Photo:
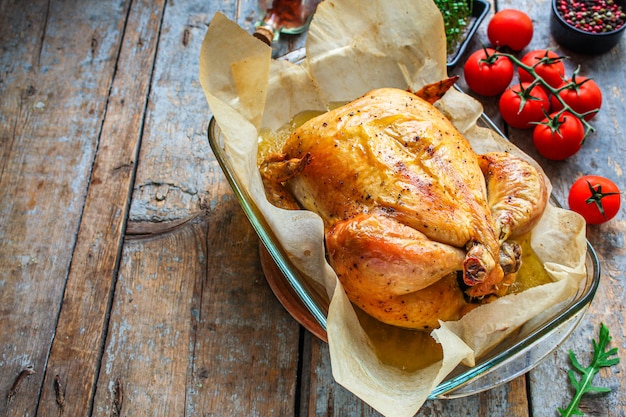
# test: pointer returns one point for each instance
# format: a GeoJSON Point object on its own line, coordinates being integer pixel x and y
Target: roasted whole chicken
{"type": "Point", "coordinates": [418, 226]}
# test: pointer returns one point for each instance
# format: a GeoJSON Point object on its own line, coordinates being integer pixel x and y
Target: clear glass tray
{"type": "Point", "coordinates": [513, 357]}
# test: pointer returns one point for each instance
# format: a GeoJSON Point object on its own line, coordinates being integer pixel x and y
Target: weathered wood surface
{"type": "Point", "coordinates": [61, 225]}
{"type": "Point", "coordinates": [130, 281]}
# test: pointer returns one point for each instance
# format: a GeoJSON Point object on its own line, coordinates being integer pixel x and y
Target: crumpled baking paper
{"type": "Point", "coordinates": [353, 47]}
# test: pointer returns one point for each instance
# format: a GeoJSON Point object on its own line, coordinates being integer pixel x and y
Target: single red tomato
{"type": "Point", "coordinates": [488, 74]}
{"type": "Point", "coordinates": [595, 198]}
{"type": "Point", "coordinates": [521, 106]}
{"type": "Point", "coordinates": [582, 94]}
{"type": "Point", "coordinates": [547, 64]}
{"type": "Point", "coordinates": [510, 27]}
{"type": "Point", "coordinates": [559, 136]}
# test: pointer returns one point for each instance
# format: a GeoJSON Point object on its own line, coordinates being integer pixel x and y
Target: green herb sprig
{"type": "Point", "coordinates": [601, 359]}
{"type": "Point", "coordinates": [456, 16]}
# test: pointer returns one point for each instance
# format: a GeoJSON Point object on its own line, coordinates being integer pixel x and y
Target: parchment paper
{"type": "Point", "coordinates": [353, 47]}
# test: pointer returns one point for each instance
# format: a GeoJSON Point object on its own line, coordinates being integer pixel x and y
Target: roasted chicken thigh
{"type": "Point", "coordinates": [407, 205]}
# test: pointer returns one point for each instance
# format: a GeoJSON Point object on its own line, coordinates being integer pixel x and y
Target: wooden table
{"type": "Point", "coordinates": [130, 279]}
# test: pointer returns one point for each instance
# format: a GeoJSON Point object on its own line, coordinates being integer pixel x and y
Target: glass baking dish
{"type": "Point", "coordinates": [308, 304]}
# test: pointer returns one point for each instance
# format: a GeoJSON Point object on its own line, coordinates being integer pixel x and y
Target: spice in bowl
{"type": "Point", "coordinates": [588, 26]}
{"type": "Point", "coordinates": [592, 16]}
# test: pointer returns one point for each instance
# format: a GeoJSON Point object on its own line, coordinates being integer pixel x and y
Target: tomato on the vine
{"type": "Point", "coordinates": [521, 106]}
{"type": "Point", "coordinates": [510, 27]}
{"type": "Point", "coordinates": [547, 64]}
{"type": "Point", "coordinates": [595, 198]}
{"type": "Point", "coordinates": [582, 94]}
{"type": "Point", "coordinates": [559, 136]}
{"type": "Point", "coordinates": [488, 74]}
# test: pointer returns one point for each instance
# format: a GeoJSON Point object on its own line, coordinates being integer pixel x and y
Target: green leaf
{"type": "Point", "coordinates": [456, 15]}
{"type": "Point", "coordinates": [601, 358]}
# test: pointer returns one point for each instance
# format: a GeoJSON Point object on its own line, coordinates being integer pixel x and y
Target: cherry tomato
{"type": "Point", "coordinates": [521, 107]}
{"type": "Point", "coordinates": [551, 69]}
{"type": "Point", "coordinates": [510, 27]}
{"type": "Point", "coordinates": [595, 198]}
{"type": "Point", "coordinates": [559, 136]}
{"type": "Point", "coordinates": [487, 74]}
{"type": "Point", "coordinates": [582, 94]}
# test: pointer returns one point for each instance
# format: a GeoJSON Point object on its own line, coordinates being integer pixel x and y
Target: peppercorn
{"type": "Point", "coordinates": [594, 16]}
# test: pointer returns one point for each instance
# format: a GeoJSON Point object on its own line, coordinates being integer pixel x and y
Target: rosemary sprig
{"type": "Point", "coordinates": [601, 359]}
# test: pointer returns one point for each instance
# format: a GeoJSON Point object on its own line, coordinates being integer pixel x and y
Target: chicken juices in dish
{"type": "Point", "coordinates": [407, 205]}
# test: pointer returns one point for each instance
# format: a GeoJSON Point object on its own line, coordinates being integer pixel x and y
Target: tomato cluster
{"type": "Point", "coordinates": [543, 100]}
{"type": "Point", "coordinates": [556, 107]}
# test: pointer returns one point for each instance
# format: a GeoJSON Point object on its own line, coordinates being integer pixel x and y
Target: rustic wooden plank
{"type": "Point", "coordinates": [178, 170]}
{"type": "Point", "coordinates": [246, 353]}
{"type": "Point", "coordinates": [153, 321]}
{"type": "Point", "coordinates": [194, 326]}
{"type": "Point", "coordinates": [75, 354]}
{"type": "Point", "coordinates": [23, 349]}
{"type": "Point", "coordinates": [225, 307]}
{"type": "Point", "coordinates": [608, 307]}
{"type": "Point", "coordinates": [245, 346]}
{"type": "Point", "coordinates": [57, 63]}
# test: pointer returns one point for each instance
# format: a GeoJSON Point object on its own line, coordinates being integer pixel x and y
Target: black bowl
{"type": "Point", "coordinates": [581, 41]}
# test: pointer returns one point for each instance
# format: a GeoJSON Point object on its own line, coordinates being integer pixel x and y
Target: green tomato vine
{"type": "Point", "coordinates": [538, 80]}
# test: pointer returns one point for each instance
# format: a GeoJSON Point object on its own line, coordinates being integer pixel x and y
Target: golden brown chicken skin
{"type": "Point", "coordinates": [405, 205]}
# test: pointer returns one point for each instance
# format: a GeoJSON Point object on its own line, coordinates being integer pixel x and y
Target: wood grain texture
{"type": "Point", "coordinates": [130, 278]}
{"type": "Point", "coordinates": [246, 355]}
{"type": "Point", "coordinates": [75, 354]}
{"type": "Point", "coordinates": [178, 174]}
{"type": "Point", "coordinates": [149, 350]}
{"type": "Point", "coordinates": [244, 352]}
{"type": "Point", "coordinates": [57, 63]}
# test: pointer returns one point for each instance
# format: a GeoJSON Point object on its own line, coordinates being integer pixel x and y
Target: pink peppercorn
{"type": "Point", "coordinates": [595, 16]}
